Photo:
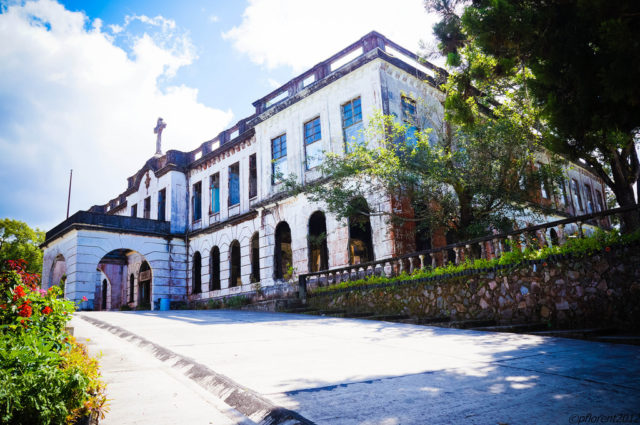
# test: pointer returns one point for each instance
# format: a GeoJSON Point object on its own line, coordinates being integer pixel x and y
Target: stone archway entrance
{"type": "Point", "coordinates": [128, 278]}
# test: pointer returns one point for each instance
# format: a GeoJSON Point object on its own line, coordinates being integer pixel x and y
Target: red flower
{"type": "Point", "coordinates": [3, 306]}
{"type": "Point", "coordinates": [18, 292]}
{"type": "Point", "coordinates": [46, 310]}
{"type": "Point", "coordinates": [25, 310]}
{"type": "Point", "coordinates": [84, 298]}
{"type": "Point", "coordinates": [608, 249]}
{"type": "Point", "coordinates": [544, 264]}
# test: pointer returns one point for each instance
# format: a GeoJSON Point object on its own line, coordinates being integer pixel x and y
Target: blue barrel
{"type": "Point", "coordinates": [165, 304]}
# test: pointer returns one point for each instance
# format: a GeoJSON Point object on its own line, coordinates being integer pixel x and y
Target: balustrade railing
{"type": "Point", "coordinates": [553, 233]}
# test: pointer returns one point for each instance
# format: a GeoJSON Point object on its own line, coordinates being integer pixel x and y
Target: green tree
{"type": "Point", "coordinates": [580, 63]}
{"type": "Point", "coordinates": [466, 179]}
{"type": "Point", "coordinates": [19, 241]}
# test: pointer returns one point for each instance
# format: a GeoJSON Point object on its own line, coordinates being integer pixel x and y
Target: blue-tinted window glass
{"type": "Point", "coordinates": [352, 123]}
{"type": "Point", "coordinates": [312, 131]}
{"type": "Point", "coordinates": [234, 184]}
{"type": "Point", "coordinates": [214, 186]}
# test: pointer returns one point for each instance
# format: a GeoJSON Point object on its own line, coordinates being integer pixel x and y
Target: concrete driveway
{"type": "Point", "coordinates": [349, 371]}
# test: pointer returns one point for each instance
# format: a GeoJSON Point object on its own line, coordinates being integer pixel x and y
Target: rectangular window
{"type": "Point", "coordinates": [234, 184]}
{"type": "Point", "coordinates": [196, 201]}
{"type": "Point", "coordinates": [279, 158]}
{"type": "Point", "coordinates": [162, 205]}
{"type": "Point", "coordinates": [565, 196]}
{"type": "Point", "coordinates": [253, 177]}
{"type": "Point", "coordinates": [147, 207]}
{"type": "Point", "coordinates": [577, 199]}
{"type": "Point", "coordinates": [312, 144]}
{"type": "Point", "coordinates": [214, 193]}
{"type": "Point", "coordinates": [545, 193]}
{"type": "Point", "coordinates": [352, 124]}
{"type": "Point", "coordinates": [409, 120]}
{"type": "Point", "coordinates": [599, 203]}
{"type": "Point", "coordinates": [134, 210]}
{"type": "Point", "coordinates": [587, 190]}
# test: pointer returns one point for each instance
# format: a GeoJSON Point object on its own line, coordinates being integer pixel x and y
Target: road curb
{"type": "Point", "coordinates": [243, 399]}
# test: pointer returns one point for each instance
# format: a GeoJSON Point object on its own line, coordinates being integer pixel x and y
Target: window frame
{"type": "Point", "coordinates": [344, 121]}
{"type": "Point", "coordinates": [215, 177]}
{"type": "Point", "coordinates": [229, 182]}
{"type": "Point", "coordinates": [253, 176]}
{"type": "Point", "coordinates": [162, 205]}
{"type": "Point", "coordinates": [282, 141]}
{"type": "Point", "coordinates": [196, 213]}
{"type": "Point", "coordinates": [309, 139]}
{"type": "Point", "coordinates": [575, 188]}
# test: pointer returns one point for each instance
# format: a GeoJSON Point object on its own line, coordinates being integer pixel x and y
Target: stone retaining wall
{"type": "Point", "coordinates": [597, 290]}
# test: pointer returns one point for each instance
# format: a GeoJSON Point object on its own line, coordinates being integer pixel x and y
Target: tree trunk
{"type": "Point", "coordinates": [623, 189]}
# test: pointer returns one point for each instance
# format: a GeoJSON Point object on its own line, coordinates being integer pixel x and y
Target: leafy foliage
{"type": "Point", "coordinates": [47, 377]}
{"type": "Point", "coordinates": [598, 242]}
{"type": "Point", "coordinates": [19, 241]}
{"type": "Point", "coordinates": [575, 61]}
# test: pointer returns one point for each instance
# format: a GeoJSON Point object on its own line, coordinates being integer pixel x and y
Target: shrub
{"type": "Point", "coordinates": [47, 377]}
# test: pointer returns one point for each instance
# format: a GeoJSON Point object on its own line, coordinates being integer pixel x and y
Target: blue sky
{"type": "Point", "coordinates": [82, 83]}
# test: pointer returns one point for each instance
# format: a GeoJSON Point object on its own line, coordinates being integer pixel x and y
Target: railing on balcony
{"type": "Point", "coordinates": [488, 247]}
{"type": "Point", "coordinates": [110, 222]}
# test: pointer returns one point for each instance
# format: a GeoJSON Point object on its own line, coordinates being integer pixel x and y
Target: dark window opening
{"type": "Point", "coordinates": [197, 273]}
{"type": "Point", "coordinates": [131, 287]}
{"type": "Point", "coordinates": [587, 189]}
{"type": "Point", "coordinates": [360, 240]}
{"type": "Point", "coordinates": [255, 258]}
{"type": "Point", "coordinates": [147, 207]}
{"type": "Point", "coordinates": [134, 210]}
{"type": "Point", "coordinates": [162, 205]}
{"type": "Point", "coordinates": [599, 203]}
{"type": "Point", "coordinates": [554, 237]}
{"type": "Point", "coordinates": [253, 177]}
{"type": "Point", "coordinates": [317, 241]}
{"type": "Point", "coordinates": [283, 255]}
{"type": "Point", "coordinates": [234, 184]}
{"type": "Point", "coordinates": [104, 294]}
{"type": "Point", "coordinates": [144, 286]}
{"type": "Point", "coordinates": [214, 269]}
{"type": "Point", "coordinates": [196, 201]}
{"type": "Point", "coordinates": [234, 259]}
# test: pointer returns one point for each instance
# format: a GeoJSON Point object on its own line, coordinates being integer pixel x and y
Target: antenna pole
{"type": "Point", "coordinates": [69, 197]}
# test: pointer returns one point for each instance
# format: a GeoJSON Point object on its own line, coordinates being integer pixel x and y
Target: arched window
{"type": "Point", "coordinates": [234, 264]}
{"type": "Point", "coordinates": [214, 269]}
{"type": "Point", "coordinates": [317, 242]}
{"type": "Point", "coordinates": [282, 256]}
{"type": "Point", "coordinates": [360, 241]}
{"type": "Point", "coordinates": [131, 287]}
{"type": "Point", "coordinates": [197, 273]}
{"type": "Point", "coordinates": [255, 257]}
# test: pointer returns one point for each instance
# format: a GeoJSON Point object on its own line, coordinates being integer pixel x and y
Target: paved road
{"type": "Point", "coordinates": [349, 371]}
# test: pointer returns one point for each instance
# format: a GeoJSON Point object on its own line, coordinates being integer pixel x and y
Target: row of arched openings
{"type": "Point", "coordinates": [360, 248]}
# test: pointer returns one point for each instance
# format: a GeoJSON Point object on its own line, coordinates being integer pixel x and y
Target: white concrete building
{"type": "Point", "coordinates": [214, 222]}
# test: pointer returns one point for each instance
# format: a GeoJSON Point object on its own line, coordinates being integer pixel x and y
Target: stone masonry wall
{"type": "Point", "coordinates": [597, 290]}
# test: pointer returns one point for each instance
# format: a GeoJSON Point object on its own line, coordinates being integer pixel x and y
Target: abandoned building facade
{"type": "Point", "coordinates": [215, 222]}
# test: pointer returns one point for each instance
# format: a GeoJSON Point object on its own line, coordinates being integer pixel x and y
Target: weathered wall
{"type": "Point", "coordinates": [602, 289]}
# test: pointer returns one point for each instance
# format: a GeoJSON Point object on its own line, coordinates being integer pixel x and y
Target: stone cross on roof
{"type": "Point", "coordinates": [158, 130]}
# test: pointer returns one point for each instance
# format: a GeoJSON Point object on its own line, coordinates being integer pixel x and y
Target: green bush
{"type": "Point", "coordinates": [599, 241]}
{"type": "Point", "coordinates": [47, 377]}
{"type": "Point", "coordinates": [236, 302]}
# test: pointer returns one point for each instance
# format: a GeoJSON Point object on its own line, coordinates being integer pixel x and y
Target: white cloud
{"type": "Point", "coordinates": [71, 98]}
{"type": "Point", "coordinates": [214, 18]}
{"type": "Point", "coordinates": [301, 33]}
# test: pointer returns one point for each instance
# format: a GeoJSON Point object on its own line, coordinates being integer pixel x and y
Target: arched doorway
{"type": "Point", "coordinates": [105, 294]}
{"type": "Point", "coordinates": [360, 240]}
{"type": "Point", "coordinates": [235, 278]}
{"type": "Point", "coordinates": [196, 273]}
{"type": "Point", "coordinates": [144, 284]}
{"type": "Point", "coordinates": [58, 274]}
{"type": "Point", "coordinates": [214, 269]}
{"type": "Point", "coordinates": [317, 242]}
{"type": "Point", "coordinates": [283, 258]}
{"type": "Point", "coordinates": [129, 280]}
{"type": "Point", "coordinates": [254, 246]}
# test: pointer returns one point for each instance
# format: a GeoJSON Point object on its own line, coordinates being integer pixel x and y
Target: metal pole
{"type": "Point", "coordinates": [69, 197]}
